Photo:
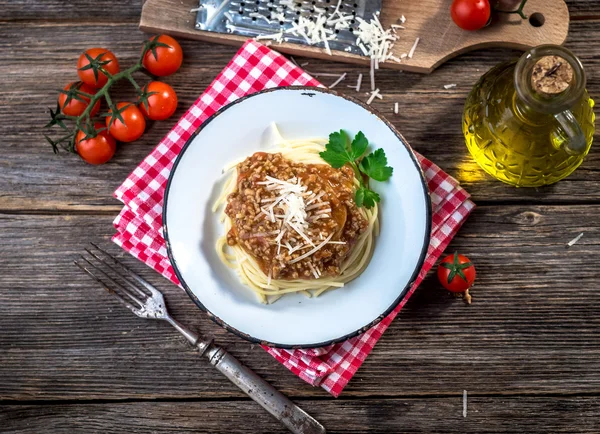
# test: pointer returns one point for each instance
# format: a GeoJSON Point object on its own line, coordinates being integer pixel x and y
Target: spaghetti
{"type": "Point", "coordinates": [291, 224]}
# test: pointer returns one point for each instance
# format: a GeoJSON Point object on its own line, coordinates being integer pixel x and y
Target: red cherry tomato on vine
{"type": "Point", "coordinates": [162, 104]}
{"type": "Point", "coordinates": [96, 150]}
{"type": "Point", "coordinates": [76, 107]}
{"type": "Point", "coordinates": [101, 55]}
{"type": "Point", "coordinates": [456, 273]}
{"type": "Point", "coordinates": [470, 14]}
{"type": "Point", "coordinates": [167, 59]}
{"type": "Point", "coordinates": [133, 127]}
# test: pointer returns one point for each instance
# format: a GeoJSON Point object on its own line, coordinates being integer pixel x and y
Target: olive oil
{"type": "Point", "coordinates": [523, 138]}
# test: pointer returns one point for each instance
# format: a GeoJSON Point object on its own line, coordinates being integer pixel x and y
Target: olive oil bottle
{"type": "Point", "coordinates": [531, 122]}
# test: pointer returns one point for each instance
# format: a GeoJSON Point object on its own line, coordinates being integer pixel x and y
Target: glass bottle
{"type": "Point", "coordinates": [531, 122]}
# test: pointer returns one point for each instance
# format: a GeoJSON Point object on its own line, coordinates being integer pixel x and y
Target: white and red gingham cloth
{"type": "Point", "coordinates": [139, 225]}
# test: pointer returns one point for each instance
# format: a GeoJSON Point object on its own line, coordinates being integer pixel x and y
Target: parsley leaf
{"type": "Point", "coordinates": [375, 166]}
{"type": "Point", "coordinates": [359, 145]}
{"type": "Point", "coordinates": [339, 152]}
{"type": "Point", "coordinates": [333, 158]}
{"type": "Point", "coordinates": [370, 198]}
{"type": "Point", "coordinates": [336, 151]}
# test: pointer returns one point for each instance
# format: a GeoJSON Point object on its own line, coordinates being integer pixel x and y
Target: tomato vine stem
{"type": "Point", "coordinates": [84, 122]}
{"type": "Point", "coordinates": [518, 11]}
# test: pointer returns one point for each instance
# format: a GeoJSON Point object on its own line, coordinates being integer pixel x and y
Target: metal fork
{"type": "Point", "coordinates": [146, 301]}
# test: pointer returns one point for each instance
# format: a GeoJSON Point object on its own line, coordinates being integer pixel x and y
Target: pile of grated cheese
{"type": "Point", "coordinates": [295, 201]}
{"type": "Point", "coordinates": [371, 38]}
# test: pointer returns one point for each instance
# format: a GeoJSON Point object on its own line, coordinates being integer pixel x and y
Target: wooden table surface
{"type": "Point", "coordinates": [72, 360]}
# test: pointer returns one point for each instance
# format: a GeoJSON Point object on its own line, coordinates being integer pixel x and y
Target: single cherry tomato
{"type": "Point", "coordinates": [456, 273]}
{"type": "Point", "coordinates": [133, 126]}
{"type": "Point", "coordinates": [470, 14]}
{"type": "Point", "coordinates": [100, 58]}
{"type": "Point", "coordinates": [75, 106]}
{"type": "Point", "coordinates": [163, 61]}
{"type": "Point", "coordinates": [162, 101]}
{"type": "Point", "coordinates": [96, 150]}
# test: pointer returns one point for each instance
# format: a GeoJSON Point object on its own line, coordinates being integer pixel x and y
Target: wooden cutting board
{"type": "Point", "coordinates": [429, 20]}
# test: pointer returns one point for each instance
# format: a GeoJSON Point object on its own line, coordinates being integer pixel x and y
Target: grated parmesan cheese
{"type": "Point", "coordinates": [358, 82]}
{"type": "Point", "coordinates": [310, 252]}
{"type": "Point", "coordinates": [574, 240]}
{"type": "Point", "coordinates": [278, 37]}
{"type": "Point", "coordinates": [338, 81]}
{"type": "Point", "coordinates": [449, 86]}
{"type": "Point", "coordinates": [395, 108]}
{"type": "Point", "coordinates": [374, 94]}
{"type": "Point", "coordinates": [372, 74]}
{"type": "Point", "coordinates": [414, 47]}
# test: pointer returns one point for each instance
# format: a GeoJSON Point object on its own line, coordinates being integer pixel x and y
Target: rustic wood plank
{"type": "Point", "coordinates": [532, 328]}
{"type": "Point", "coordinates": [417, 415]}
{"type": "Point", "coordinates": [31, 177]}
{"type": "Point", "coordinates": [108, 10]}
{"type": "Point", "coordinates": [82, 10]}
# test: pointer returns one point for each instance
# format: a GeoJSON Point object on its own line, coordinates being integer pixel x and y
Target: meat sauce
{"type": "Point", "coordinates": [330, 211]}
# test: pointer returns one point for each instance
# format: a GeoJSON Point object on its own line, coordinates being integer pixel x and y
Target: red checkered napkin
{"type": "Point", "coordinates": [139, 225]}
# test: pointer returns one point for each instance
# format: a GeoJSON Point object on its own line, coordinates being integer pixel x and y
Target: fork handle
{"type": "Point", "coordinates": [284, 410]}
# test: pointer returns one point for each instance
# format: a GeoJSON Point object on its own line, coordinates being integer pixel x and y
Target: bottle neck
{"type": "Point", "coordinates": [551, 86]}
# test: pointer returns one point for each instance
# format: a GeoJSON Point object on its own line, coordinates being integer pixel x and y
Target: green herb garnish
{"type": "Point", "coordinates": [340, 151]}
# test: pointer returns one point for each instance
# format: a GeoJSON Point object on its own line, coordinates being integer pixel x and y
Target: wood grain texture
{"type": "Point", "coordinates": [527, 350]}
{"type": "Point", "coordinates": [417, 415]}
{"type": "Point", "coordinates": [81, 10]}
{"type": "Point", "coordinates": [32, 178]}
{"type": "Point", "coordinates": [428, 20]}
{"type": "Point", "coordinates": [106, 11]}
{"type": "Point", "coordinates": [532, 327]}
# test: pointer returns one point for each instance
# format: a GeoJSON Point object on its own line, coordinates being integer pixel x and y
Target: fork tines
{"type": "Point", "coordinates": [117, 279]}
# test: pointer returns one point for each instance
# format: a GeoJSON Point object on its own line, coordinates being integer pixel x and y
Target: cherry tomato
{"type": "Point", "coordinates": [76, 107]}
{"type": "Point", "coordinates": [86, 73]}
{"type": "Point", "coordinates": [470, 14]}
{"type": "Point", "coordinates": [456, 273]}
{"type": "Point", "coordinates": [167, 59]}
{"type": "Point", "coordinates": [134, 125]}
{"type": "Point", "coordinates": [96, 150]}
{"type": "Point", "coordinates": [162, 104]}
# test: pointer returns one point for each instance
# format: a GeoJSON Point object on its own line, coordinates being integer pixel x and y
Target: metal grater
{"type": "Point", "coordinates": [254, 18]}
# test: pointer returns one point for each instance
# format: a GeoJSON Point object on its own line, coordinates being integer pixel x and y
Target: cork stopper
{"type": "Point", "coordinates": [551, 75]}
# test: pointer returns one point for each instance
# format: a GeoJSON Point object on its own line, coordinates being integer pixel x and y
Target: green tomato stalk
{"type": "Point", "coordinates": [84, 122]}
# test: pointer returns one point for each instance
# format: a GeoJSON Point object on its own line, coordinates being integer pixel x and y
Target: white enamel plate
{"type": "Point", "coordinates": [191, 229]}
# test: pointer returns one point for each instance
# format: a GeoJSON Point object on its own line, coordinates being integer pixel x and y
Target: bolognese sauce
{"type": "Point", "coordinates": [298, 221]}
